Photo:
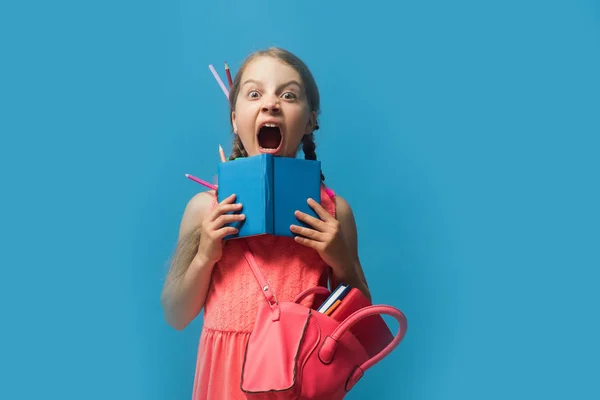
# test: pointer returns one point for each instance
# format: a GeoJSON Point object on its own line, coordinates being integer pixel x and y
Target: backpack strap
{"type": "Point", "coordinates": [264, 285]}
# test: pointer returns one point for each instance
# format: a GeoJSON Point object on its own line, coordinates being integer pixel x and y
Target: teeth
{"type": "Point", "coordinates": [270, 125]}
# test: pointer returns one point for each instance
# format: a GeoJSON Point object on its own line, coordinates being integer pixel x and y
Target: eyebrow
{"type": "Point", "coordinates": [291, 82]}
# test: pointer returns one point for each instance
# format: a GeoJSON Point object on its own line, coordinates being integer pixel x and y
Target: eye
{"type": "Point", "coordinates": [253, 94]}
{"type": "Point", "coordinates": [289, 96]}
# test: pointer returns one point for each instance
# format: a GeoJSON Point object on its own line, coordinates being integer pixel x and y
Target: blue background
{"type": "Point", "coordinates": [465, 135]}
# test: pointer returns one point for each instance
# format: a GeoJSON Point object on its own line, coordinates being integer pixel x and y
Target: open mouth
{"type": "Point", "coordinates": [269, 138]}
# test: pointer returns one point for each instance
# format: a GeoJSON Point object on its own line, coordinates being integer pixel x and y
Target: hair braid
{"type": "Point", "coordinates": [238, 149]}
{"type": "Point", "coordinates": [308, 147]}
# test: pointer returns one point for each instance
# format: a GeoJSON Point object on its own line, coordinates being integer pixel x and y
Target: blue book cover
{"type": "Point", "coordinates": [294, 180]}
{"type": "Point", "coordinates": [270, 189]}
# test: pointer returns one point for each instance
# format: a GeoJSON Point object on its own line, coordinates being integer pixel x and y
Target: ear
{"type": "Point", "coordinates": [235, 130]}
{"type": "Point", "coordinates": [312, 122]}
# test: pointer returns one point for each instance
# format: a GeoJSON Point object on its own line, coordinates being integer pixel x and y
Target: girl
{"type": "Point", "coordinates": [274, 105]}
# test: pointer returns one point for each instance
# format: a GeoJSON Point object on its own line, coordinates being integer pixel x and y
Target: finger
{"type": "Point", "coordinates": [224, 209]}
{"type": "Point", "coordinates": [226, 219]}
{"type": "Point", "coordinates": [217, 210]}
{"type": "Point", "coordinates": [227, 208]}
{"type": "Point", "coordinates": [321, 212]}
{"type": "Point", "coordinates": [308, 233]}
{"type": "Point", "coordinates": [307, 242]}
{"type": "Point", "coordinates": [228, 230]}
{"type": "Point", "coordinates": [312, 221]}
{"type": "Point", "coordinates": [229, 199]}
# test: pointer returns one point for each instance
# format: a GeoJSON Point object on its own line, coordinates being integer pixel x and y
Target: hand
{"type": "Point", "coordinates": [212, 230]}
{"type": "Point", "coordinates": [326, 237]}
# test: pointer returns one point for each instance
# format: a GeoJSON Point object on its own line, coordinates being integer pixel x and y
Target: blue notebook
{"type": "Point", "coordinates": [270, 189]}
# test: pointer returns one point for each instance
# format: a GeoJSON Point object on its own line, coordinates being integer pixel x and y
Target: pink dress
{"type": "Point", "coordinates": [233, 298]}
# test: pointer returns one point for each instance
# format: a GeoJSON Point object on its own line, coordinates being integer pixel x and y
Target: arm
{"type": "Point", "coordinates": [353, 274]}
{"type": "Point", "coordinates": [188, 279]}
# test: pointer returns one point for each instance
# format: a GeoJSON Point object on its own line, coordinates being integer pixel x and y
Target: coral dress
{"type": "Point", "coordinates": [233, 298]}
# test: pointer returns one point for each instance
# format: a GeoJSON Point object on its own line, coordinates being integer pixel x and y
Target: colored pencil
{"type": "Point", "coordinates": [219, 81]}
{"type": "Point", "coordinates": [228, 73]}
{"type": "Point", "coordinates": [222, 154]}
{"type": "Point", "coordinates": [200, 181]}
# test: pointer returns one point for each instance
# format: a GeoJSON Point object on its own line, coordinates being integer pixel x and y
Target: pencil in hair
{"type": "Point", "coordinates": [228, 73]}
{"type": "Point", "coordinates": [219, 81]}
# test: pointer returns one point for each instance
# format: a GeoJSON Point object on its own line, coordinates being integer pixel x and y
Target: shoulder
{"type": "Point", "coordinates": [343, 210]}
{"type": "Point", "coordinates": [196, 210]}
{"type": "Point", "coordinates": [345, 216]}
{"type": "Point", "coordinates": [347, 223]}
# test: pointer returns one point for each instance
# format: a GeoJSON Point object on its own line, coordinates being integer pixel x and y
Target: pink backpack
{"type": "Point", "coordinates": [295, 352]}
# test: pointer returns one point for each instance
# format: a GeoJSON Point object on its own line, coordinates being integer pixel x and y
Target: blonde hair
{"type": "Point", "coordinates": [310, 87]}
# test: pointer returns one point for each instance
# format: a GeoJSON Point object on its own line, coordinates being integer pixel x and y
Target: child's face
{"type": "Point", "coordinates": [271, 111]}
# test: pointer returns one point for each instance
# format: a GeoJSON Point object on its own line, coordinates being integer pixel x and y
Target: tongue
{"type": "Point", "coordinates": [269, 138]}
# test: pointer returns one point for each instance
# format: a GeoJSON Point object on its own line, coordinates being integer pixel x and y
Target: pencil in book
{"type": "Point", "coordinates": [338, 300]}
{"type": "Point", "coordinates": [338, 294]}
{"type": "Point", "coordinates": [228, 73]}
{"type": "Point", "coordinates": [200, 181]}
{"type": "Point", "coordinates": [333, 307]}
{"type": "Point", "coordinates": [222, 154]}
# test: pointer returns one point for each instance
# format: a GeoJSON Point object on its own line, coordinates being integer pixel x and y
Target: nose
{"type": "Point", "coordinates": [270, 104]}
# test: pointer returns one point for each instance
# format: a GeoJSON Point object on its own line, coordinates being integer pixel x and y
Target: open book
{"type": "Point", "coordinates": [270, 189]}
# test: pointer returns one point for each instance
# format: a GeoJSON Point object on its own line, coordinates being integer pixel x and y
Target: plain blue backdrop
{"type": "Point", "coordinates": [464, 134]}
